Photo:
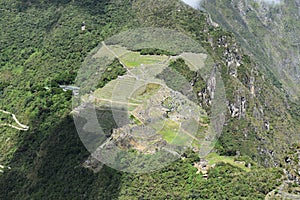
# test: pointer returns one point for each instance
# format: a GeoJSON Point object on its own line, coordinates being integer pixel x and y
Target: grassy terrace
{"type": "Point", "coordinates": [130, 92]}
{"type": "Point", "coordinates": [172, 134]}
{"type": "Point", "coordinates": [169, 130]}
{"type": "Point", "coordinates": [134, 59]}
{"type": "Point", "coordinates": [145, 92]}
{"type": "Point", "coordinates": [214, 158]}
{"type": "Point", "coordinates": [194, 61]}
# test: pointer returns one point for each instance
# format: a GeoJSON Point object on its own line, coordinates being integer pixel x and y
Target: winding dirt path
{"type": "Point", "coordinates": [21, 127]}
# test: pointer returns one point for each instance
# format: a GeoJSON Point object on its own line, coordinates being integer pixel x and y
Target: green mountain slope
{"type": "Point", "coordinates": [43, 46]}
{"type": "Point", "coordinates": [269, 32]}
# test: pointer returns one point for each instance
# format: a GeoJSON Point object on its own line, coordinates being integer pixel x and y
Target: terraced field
{"type": "Point", "coordinates": [194, 61]}
{"type": "Point", "coordinates": [214, 158]}
{"type": "Point", "coordinates": [134, 59]}
{"type": "Point", "coordinates": [174, 134]}
{"type": "Point", "coordinates": [142, 94]}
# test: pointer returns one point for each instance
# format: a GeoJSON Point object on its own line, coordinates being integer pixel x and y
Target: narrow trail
{"type": "Point", "coordinates": [21, 127]}
{"type": "Point", "coordinates": [12, 126]}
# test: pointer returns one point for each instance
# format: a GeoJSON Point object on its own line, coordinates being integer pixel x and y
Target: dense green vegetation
{"type": "Point", "coordinates": [112, 72]}
{"type": "Point", "coordinates": [180, 181]}
{"type": "Point", "coordinates": [179, 77]}
{"type": "Point", "coordinates": [176, 81]}
{"type": "Point", "coordinates": [153, 51]}
{"type": "Point", "coordinates": [192, 77]}
{"type": "Point", "coordinates": [43, 46]}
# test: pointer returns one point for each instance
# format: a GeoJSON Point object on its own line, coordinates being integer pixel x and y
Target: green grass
{"type": "Point", "coordinates": [146, 91]}
{"type": "Point", "coordinates": [172, 134]}
{"type": "Point", "coordinates": [196, 143]}
{"type": "Point", "coordinates": [134, 59]}
{"type": "Point", "coordinates": [214, 158]}
{"type": "Point", "coordinates": [194, 61]}
{"type": "Point", "coordinates": [131, 107]}
{"type": "Point", "coordinates": [182, 139]}
{"type": "Point", "coordinates": [106, 92]}
{"type": "Point", "coordinates": [119, 50]}
{"type": "Point", "coordinates": [49, 157]}
{"type": "Point", "coordinates": [135, 120]}
{"type": "Point", "coordinates": [169, 130]}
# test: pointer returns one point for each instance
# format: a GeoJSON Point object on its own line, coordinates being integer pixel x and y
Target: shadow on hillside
{"type": "Point", "coordinates": [49, 167]}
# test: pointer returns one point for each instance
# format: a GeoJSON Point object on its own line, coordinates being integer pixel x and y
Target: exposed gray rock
{"type": "Point", "coordinates": [243, 107]}
{"type": "Point", "coordinates": [266, 125]}
{"type": "Point", "coordinates": [234, 111]}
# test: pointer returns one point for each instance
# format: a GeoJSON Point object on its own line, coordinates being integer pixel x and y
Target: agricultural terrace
{"type": "Point", "coordinates": [148, 100]}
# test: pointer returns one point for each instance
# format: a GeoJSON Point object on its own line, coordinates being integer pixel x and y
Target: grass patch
{"type": "Point", "coordinates": [146, 91]}
{"type": "Point", "coordinates": [196, 143]}
{"type": "Point", "coordinates": [182, 139]}
{"type": "Point", "coordinates": [171, 133]}
{"type": "Point", "coordinates": [134, 59]}
{"type": "Point", "coordinates": [135, 120]}
{"type": "Point", "coordinates": [214, 158]}
{"type": "Point", "coordinates": [154, 51]}
{"type": "Point", "coordinates": [169, 130]}
{"type": "Point", "coordinates": [194, 61]}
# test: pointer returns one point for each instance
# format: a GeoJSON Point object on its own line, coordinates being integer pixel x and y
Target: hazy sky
{"type": "Point", "coordinates": [196, 3]}
{"type": "Point", "coordinates": [193, 3]}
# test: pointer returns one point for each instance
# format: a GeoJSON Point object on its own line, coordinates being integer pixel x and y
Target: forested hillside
{"type": "Point", "coordinates": [43, 45]}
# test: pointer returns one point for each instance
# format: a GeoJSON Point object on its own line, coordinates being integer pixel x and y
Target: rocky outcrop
{"type": "Point", "coordinates": [292, 164]}
{"type": "Point", "coordinates": [93, 164]}
{"type": "Point", "coordinates": [141, 138]}
{"type": "Point", "coordinates": [238, 108]}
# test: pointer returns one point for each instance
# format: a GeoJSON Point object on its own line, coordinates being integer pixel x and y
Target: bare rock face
{"type": "Point", "coordinates": [211, 85]}
{"type": "Point", "coordinates": [243, 107]}
{"type": "Point", "coordinates": [267, 125]}
{"type": "Point", "coordinates": [292, 165]}
{"type": "Point", "coordinates": [258, 112]}
{"type": "Point", "coordinates": [233, 58]}
{"type": "Point", "coordinates": [234, 111]}
{"type": "Point", "coordinates": [252, 86]}
{"type": "Point", "coordinates": [238, 108]}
